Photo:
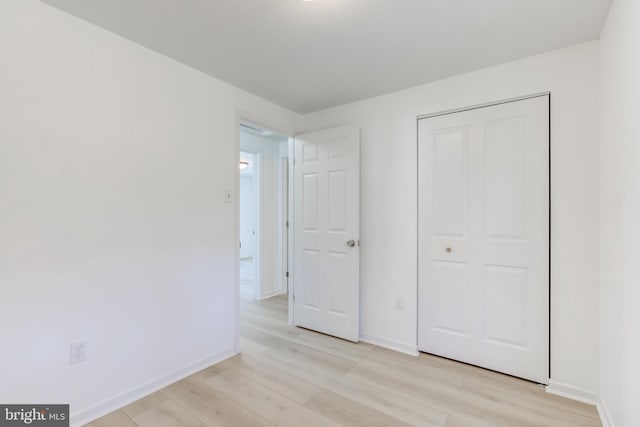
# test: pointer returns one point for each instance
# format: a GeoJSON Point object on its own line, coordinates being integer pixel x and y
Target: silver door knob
{"type": "Point", "coordinates": [351, 243]}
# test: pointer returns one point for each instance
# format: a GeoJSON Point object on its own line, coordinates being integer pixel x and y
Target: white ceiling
{"type": "Point", "coordinates": [310, 55]}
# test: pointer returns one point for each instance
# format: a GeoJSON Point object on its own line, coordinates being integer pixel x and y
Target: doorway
{"type": "Point", "coordinates": [263, 217]}
{"type": "Point", "coordinates": [248, 219]}
{"type": "Point", "coordinates": [320, 251]}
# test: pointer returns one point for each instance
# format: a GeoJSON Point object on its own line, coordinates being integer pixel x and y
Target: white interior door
{"type": "Point", "coordinates": [326, 274]}
{"type": "Point", "coordinates": [483, 280]}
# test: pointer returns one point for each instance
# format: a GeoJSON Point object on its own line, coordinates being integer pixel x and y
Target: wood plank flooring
{"type": "Point", "coordinates": [247, 291]}
{"type": "Point", "coordinates": [288, 376]}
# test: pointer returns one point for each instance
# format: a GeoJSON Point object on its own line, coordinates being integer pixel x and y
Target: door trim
{"type": "Point", "coordinates": [486, 104]}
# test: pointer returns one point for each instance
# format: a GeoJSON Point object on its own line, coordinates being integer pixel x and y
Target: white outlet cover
{"type": "Point", "coordinates": [78, 352]}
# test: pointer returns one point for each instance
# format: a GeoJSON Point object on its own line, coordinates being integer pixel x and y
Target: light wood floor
{"type": "Point", "coordinates": [288, 376]}
{"type": "Point", "coordinates": [247, 291]}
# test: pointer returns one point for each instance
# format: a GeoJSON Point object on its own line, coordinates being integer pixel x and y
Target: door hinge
{"type": "Point", "coordinates": [287, 274]}
{"type": "Point", "coordinates": [287, 224]}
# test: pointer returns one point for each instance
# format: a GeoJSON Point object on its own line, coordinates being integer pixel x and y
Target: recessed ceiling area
{"type": "Point", "coordinates": [311, 55]}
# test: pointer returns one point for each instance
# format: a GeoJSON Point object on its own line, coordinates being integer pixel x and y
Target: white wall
{"type": "Point", "coordinates": [113, 229]}
{"type": "Point", "coordinates": [620, 212]}
{"type": "Point", "coordinates": [268, 227]}
{"type": "Point", "coordinates": [388, 198]}
{"type": "Point", "coordinates": [114, 161]}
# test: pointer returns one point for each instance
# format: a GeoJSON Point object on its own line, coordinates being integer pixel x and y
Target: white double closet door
{"type": "Point", "coordinates": [483, 279]}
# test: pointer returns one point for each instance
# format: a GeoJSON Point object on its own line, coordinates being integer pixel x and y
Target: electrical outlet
{"type": "Point", "coordinates": [78, 352]}
{"type": "Point", "coordinates": [399, 303]}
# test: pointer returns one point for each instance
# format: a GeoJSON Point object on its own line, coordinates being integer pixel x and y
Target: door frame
{"type": "Point", "coordinates": [285, 182]}
{"type": "Point", "coordinates": [247, 117]}
{"type": "Point", "coordinates": [474, 107]}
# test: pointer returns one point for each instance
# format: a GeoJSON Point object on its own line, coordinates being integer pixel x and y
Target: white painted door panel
{"type": "Point", "coordinates": [483, 280]}
{"type": "Point", "coordinates": [326, 271]}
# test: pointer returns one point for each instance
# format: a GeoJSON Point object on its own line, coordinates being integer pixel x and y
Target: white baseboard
{"type": "Point", "coordinates": [86, 416]}
{"type": "Point", "coordinates": [582, 395]}
{"type": "Point", "coordinates": [573, 392]}
{"type": "Point", "coordinates": [390, 344]}
{"type": "Point", "coordinates": [269, 295]}
{"type": "Point", "coordinates": [605, 415]}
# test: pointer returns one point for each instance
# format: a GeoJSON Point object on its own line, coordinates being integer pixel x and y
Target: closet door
{"type": "Point", "coordinates": [483, 279]}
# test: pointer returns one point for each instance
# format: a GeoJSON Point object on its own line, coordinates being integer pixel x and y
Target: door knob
{"type": "Point", "coordinates": [351, 243]}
